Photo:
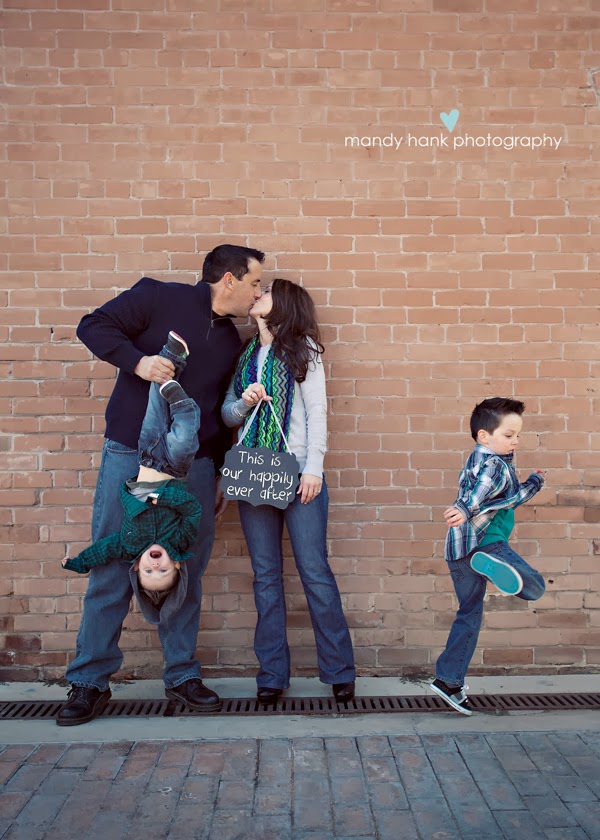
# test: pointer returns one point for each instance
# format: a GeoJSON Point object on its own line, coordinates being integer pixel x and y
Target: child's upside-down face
{"type": "Point", "coordinates": [156, 570]}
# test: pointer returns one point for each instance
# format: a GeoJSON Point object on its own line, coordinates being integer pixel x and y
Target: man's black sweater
{"type": "Point", "coordinates": [136, 324]}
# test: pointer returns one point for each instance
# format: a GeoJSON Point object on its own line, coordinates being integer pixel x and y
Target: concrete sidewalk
{"type": "Point", "coordinates": [192, 728]}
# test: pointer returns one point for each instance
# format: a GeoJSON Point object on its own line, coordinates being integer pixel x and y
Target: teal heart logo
{"type": "Point", "coordinates": [450, 119]}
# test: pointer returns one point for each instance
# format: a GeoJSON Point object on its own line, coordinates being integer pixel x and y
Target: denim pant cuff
{"type": "Point", "coordinates": [182, 680]}
{"type": "Point", "coordinates": [451, 681]}
{"type": "Point", "coordinates": [178, 361]}
{"type": "Point", "coordinates": [91, 685]}
{"type": "Point", "coordinates": [350, 676]}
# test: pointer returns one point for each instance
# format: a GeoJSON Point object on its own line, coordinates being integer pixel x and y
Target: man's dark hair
{"type": "Point", "coordinates": [224, 258]}
{"type": "Point", "coordinates": [487, 415]}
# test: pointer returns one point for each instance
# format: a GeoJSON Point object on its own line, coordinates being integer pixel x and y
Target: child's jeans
{"type": "Point", "coordinates": [470, 589]}
{"type": "Point", "coordinates": [168, 440]}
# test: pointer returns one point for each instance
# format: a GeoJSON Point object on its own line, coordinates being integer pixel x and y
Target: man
{"type": "Point", "coordinates": [128, 332]}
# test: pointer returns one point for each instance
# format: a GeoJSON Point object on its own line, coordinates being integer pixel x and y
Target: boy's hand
{"type": "Point", "coordinates": [541, 474]}
{"type": "Point", "coordinates": [65, 560]}
{"type": "Point", "coordinates": [454, 517]}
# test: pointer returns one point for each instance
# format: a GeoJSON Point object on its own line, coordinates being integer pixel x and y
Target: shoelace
{"type": "Point", "coordinates": [463, 690]}
{"type": "Point", "coordinates": [192, 683]}
{"type": "Point", "coordinates": [75, 691]}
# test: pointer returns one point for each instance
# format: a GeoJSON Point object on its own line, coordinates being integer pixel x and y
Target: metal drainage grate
{"type": "Point", "coordinates": [496, 704]}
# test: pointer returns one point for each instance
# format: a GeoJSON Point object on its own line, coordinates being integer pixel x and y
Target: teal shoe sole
{"type": "Point", "coordinates": [501, 574]}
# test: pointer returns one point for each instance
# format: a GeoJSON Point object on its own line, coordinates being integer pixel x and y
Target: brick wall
{"type": "Point", "coordinates": [139, 137]}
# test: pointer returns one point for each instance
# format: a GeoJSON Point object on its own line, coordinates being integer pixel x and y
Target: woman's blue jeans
{"type": "Point", "coordinates": [109, 591]}
{"type": "Point", "coordinates": [470, 589]}
{"type": "Point", "coordinates": [307, 528]}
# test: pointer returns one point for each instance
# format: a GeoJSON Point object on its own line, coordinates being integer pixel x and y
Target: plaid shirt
{"type": "Point", "coordinates": [172, 523]}
{"type": "Point", "coordinates": [487, 483]}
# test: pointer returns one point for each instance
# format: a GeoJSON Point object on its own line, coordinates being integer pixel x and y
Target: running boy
{"type": "Point", "coordinates": [161, 518]}
{"type": "Point", "coordinates": [483, 517]}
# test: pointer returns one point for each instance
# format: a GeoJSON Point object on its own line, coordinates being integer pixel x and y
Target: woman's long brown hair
{"type": "Point", "coordinates": [292, 320]}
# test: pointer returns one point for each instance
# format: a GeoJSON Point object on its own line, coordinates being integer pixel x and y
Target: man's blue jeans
{"type": "Point", "coordinates": [307, 528]}
{"type": "Point", "coordinates": [470, 589]}
{"type": "Point", "coordinates": [168, 439]}
{"type": "Point", "coordinates": [109, 590]}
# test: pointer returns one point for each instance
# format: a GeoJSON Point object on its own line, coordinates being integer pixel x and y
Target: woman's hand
{"type": "Point", "coordinates": [65, 560]}
{"type": "Point", "coordinates": [310, 487]}
{"type": "Point", "coordinates": [454, 517]}
{"type": "Point", "coordinates": [254, 393]}
{"type": "Point", "coordinates": [220, 501]}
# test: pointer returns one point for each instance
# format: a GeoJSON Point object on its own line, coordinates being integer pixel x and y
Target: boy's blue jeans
{"type": "Point", "coordinates": [470, 589]}
{"type": "Point", "coordinates": [168, 440]}
{"type": "Point", "coordinates": [307, 528]}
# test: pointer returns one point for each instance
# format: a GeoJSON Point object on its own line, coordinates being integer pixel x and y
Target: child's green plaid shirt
{"type": "Point", "coordinates": [172, 522]}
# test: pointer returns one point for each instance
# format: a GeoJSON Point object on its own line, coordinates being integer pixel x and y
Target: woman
{"type": "Point", "coordinates": [282, 365]}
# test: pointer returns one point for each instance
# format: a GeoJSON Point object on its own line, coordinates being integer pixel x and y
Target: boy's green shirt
{"type": "Point", "coordinates": [172, 522]}
{"type": "Point", "coordinates": [500, 528]}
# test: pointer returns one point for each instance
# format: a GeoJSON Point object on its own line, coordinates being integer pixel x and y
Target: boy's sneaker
{"type": "Point", "coordinates": [172, 392]}
{"type": "Point", "coordinates": [453, 695]}
{"type": "Point", "coordinates": [501, 574]}
{"type": "Point", "coordinates": [177, 345]}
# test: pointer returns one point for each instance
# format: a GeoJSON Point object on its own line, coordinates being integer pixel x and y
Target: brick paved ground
{"type": "Point", "coordinates": [526, 787]}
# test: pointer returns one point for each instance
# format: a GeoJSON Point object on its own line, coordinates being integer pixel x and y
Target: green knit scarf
{"type": "Point", "coordinates": [278, 380]}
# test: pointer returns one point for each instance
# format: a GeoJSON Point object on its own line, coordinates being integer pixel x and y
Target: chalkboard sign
{"type": "Point", "coordinates": [260, 476]}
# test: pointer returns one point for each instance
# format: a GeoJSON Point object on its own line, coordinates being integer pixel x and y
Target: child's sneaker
{"type": "Point", "coordinates": [172, 392]}
{"type": "Point", "coordinates": [177, 345]}
{"type": "Point", "coordinates": [453, 695]}
{"type": "Point", "coordinates": [501, 574]}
